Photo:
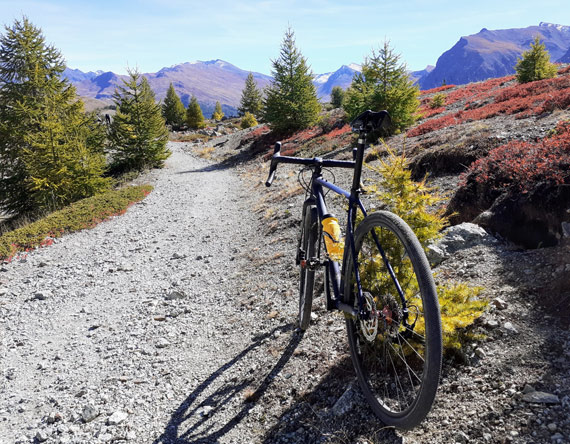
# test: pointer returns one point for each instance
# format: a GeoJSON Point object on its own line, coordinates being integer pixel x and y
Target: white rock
{"type": "Point", "coordinates": [540, 398]}
{"type": "Point", "coordinates": [162, 343]}
{"type": "Point", "coordinates": [117, 417]}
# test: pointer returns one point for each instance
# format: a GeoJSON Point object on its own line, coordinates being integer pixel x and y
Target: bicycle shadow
{"type": "Point", "coordinates": [192, 421]}
{"type": "Point", "coordinates": [333, 411]}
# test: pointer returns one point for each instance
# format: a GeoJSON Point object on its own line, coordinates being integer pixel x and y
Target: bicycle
{"type": "Point", "coordinates": [384, 287]}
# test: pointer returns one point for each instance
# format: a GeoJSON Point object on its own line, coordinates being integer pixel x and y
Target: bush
{"type": "Point", "coordinates": [82, 214]}
{"type": "Point", "coordinates": [519, 166]}
{"type": "Point", "coordinates": [248, 120]}
{"type": "Point", "coordinates": [437, 101]}
{"type": "Point", "coordinates": [412, 202]}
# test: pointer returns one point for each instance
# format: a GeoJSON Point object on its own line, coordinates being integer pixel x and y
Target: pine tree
{"type": "Point", "coordinates": [250, 98]}
{"type": "Point", "coordinates": [218, 113]}
{"type": "Point", "coordinates": [290, 102]}
{"type": "Point", "coordinates": [173, 109]}
{"type": "Point", "coordinates": [337, 96]}
{"type": "Point", "coordinates": [194, 116]}
{"type": "Point", "coordinates": [138, 132]}
{"type": "Point", "coordinates": [50, 151]}
{"type": "Point", "coordinates": [535, 63]}
{"type": "Point", "coordinates": [383, 84]}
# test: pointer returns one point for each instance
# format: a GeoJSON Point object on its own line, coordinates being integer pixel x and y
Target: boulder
{"type": "Point", "coordinates": [458, 237]}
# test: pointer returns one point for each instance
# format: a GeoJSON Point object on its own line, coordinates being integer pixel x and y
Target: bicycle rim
{"type": "Point", "coordinates": [307, 277]}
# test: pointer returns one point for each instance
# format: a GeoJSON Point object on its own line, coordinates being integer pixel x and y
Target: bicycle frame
{"type": "Point", "coordinates": [334, 275]}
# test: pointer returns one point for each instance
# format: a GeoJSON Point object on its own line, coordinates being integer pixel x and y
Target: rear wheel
{"type": "Point", "coordinates": [396, 348]}
{"type": "Point", "coordinates": [308, 247]}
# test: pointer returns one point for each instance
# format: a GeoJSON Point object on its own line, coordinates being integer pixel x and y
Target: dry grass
{"type": "Point", "coordinates": [206, 153]}
{"type": "Point", "coordinates": [192, 137]}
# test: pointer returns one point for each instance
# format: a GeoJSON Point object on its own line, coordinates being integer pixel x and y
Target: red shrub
{"type": "Point", "coordinates": [436, 90]}
{"type": "Point", "coordinates": [521, 165]}
{"type": "Point", "coordinates": [338, 132]}
{"type": "Point", "coordinates": [432, 125]}
{"type": "Point", "coordinates": [427, 112]}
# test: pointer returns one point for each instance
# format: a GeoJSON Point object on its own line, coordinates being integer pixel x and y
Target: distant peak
{"type": "Point", "coordinates": [355, 66]}
{"type": "Point", "coordinates": [554, 25]}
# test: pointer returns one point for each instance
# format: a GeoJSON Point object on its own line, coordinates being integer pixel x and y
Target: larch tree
{"type": "Point", "coordinates": [194, 116]}
{"type": "Point", "coordinates": [51, 152]}
{"type": "Point", "coordinates": [218, 113]}
{"type": "Point", "coordinates": [290, 101]}
{"type": "Point", "coordinates": [138, 132]}
{"type": "Point", "coordinates": [383, 84]}
{"type": "Point", "coordinates": [250, 101]}
{"type": "Point", "coordinates": [173, 109]}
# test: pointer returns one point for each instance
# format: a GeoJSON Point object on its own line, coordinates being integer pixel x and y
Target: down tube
{"type": "Point", "coordinates": [333, 268]}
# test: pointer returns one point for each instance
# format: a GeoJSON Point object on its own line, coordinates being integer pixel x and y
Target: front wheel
{"type": "Point", "coordinates": [395, 343]}
{"type": "Point", "coordinates": [308, 251]}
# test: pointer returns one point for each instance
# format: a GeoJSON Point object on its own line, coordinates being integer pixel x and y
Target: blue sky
{"type": "Point", "coordinates": [151, 34]}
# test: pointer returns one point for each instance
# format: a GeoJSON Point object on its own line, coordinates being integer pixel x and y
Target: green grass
{"type": "Point", "coordinates": [80, 215]}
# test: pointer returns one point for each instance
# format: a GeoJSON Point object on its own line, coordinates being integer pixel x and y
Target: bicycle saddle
{"type": "Point", "coordinates": [371, 120]}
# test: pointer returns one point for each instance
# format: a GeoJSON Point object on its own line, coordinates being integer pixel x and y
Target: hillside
{"type": "Point", "coordinates": [493, 53]}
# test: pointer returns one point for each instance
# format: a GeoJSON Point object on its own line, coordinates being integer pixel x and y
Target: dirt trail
{"type": "Point", "coordinates": [137, 318]}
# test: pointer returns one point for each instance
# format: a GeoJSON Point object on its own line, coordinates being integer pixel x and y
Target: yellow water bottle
{"type": "Point", "coordinates": [332, 234]}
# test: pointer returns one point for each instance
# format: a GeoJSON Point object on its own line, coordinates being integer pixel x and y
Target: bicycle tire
{"type": "Point", "coordinates": [394, 362]}
{"type": "Point", "coordinates": [307, 278]}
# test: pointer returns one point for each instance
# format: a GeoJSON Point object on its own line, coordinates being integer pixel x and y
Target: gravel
{"type": "Point", "coordinates": [176, 323]}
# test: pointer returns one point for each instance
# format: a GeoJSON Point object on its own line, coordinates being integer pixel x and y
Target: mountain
{"type": "Point", "coordinates": [210, 81]}
{"type": "Point", "coordinates": [565, 58]}
{"type": "Point", "coordinates": [76, 75]}
{"type": "Point", "coordinates": [342, 77]}
{"type": "Point", "coordinates": [493, 54]}
{"type": "Point", "coordinates": [415, 76]}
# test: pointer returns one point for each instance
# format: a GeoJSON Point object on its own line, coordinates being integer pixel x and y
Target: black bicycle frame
{"type": "Point", "coordinates": [317, 197]}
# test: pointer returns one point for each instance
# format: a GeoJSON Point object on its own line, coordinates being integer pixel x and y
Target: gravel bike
{"type": "Point", "coordinates": [380, 278]}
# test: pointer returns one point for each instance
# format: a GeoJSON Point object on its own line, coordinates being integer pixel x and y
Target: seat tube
{"type": "Point", "coordinates": [358, 166]}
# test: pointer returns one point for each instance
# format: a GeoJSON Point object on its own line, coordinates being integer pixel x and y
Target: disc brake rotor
{"type": "Point", "coordinates": [369, 326]}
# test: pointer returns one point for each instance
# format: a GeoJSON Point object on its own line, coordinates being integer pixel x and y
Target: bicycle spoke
{"type": "Point", "coordinates": [411, 346]}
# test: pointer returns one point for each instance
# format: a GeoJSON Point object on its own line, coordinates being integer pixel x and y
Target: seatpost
{"type": "Point", "coordinates": [354, 191]}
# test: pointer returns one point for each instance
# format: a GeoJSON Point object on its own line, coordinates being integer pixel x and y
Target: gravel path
{"type": "Point", "coordinates": [128, 330]}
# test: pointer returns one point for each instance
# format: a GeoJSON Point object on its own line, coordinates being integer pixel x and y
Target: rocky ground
{"type": "Point", "coordinates": [176, 323]}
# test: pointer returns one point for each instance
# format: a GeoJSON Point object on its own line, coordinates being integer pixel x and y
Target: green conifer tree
{"type": "Point", "coordinates": [194, 116]}
{"type": "Point", "coordinates": [173, 109]}
{"type": "Point", "coordinates": [535, 63]}
{"type": "Point", "coordinates": [218, 113]}
{"type": "Point", "coordinates": [51, 153]}
{"type": "Point", "coordinates": [250, 98]}
{"type": "Point", "coordinates": [290, 102]}
{"type": "Point", "coordinates": [384, 84]}
{"type": "Point", "coordinates": [138, 132]}
{"type": "Point", "coordinates": [337, 96]}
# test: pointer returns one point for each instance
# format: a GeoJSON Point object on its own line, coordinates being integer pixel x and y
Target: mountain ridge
{"type": "Point", "coordinates": [493, 53]}
{"type": "Point", "coordinates": [210, 81]}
